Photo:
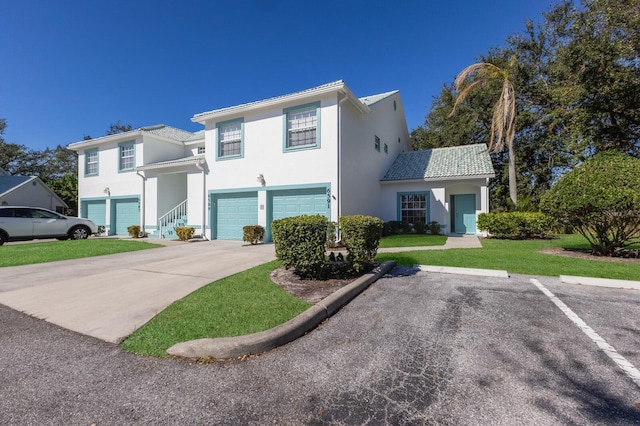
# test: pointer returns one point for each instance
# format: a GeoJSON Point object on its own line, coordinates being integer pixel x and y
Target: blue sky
{"type": "Point", "coordinates": [70, 67]}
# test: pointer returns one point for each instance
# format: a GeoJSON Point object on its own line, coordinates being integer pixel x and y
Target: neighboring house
{"type": "Point", "coordinates": [318, 151]}
{"type": "Point", "coordinates": [28, 191]}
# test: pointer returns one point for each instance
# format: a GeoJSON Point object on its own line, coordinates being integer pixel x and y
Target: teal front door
{"type": "Point", "coordinates": [464, 206]}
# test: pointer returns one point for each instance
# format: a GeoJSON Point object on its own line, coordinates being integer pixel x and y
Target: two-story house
{"type": "Point", "coordinates": [318, 151]}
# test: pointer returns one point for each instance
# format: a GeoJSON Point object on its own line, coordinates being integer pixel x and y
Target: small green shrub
{"type": "Point", "coordinates": [134, 231]}
{"type": "Point", "coordinates": [101, 230]}
{"type": "Point", "coordinates": [392, 227]}
{"type": "Point", "coordinates": [434, 228]}
{"type": "Point", "coordinates": [253, 234]}
{"type": "Point", "coordinates": [185, 233]}
{"type": "Point", "coordinates": [516, 225]}
{"type": "Point", "coordinates": [300, 243]}
{"type": "Point", "coordinates": [420, 228]}
{"type": "Point", "coordinates": [361, 236]}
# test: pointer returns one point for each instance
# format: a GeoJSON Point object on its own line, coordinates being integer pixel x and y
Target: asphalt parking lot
{"type": "Point", "coordinates": [420, 349]}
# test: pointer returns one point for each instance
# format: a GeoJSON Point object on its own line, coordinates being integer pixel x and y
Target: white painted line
{"type": "Point", "coordinates": [611, 352]}
{"type": "Point", "coordinates": [464, 271]}
{"type": "Point", "coordinates": [601, 282]}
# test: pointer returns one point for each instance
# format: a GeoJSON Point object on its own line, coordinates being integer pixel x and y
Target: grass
{"type": "Point", "coordinates": [412, 240]}
{"type": "Point", "coordinates": [521, 257]}
{"type": "Point", "coordinates": [244, 303]}
{"type": "Point", "coordinates": [51, 251]}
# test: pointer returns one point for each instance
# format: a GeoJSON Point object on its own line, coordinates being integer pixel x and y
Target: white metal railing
{"type": "Point", "coordinates": [168, 220]}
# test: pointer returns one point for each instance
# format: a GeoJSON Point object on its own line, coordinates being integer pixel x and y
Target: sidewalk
{"type": "Point", "coordinates": [453, 242]}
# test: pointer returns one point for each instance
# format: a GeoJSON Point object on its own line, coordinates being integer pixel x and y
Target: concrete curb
{"type": "Point", "coordinates": [464, 271]}
{"type": "Point", "coordinates": [234, 347]}
{"type": "Point", "coordinates": [600, 282]}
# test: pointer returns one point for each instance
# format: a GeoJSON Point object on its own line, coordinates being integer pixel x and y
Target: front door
{"type": "Point", "coordinates": [464, 206]}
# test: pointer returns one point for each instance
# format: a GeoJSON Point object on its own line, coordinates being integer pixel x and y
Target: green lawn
{"type": "Point", "coordinates": [520, 257]}
{"type": "Point", "coordinates": [51, 251]}
{"type": "Point", "coordinates": [412, 240]}
{"type": "Point", "coordinates": [244, 303]}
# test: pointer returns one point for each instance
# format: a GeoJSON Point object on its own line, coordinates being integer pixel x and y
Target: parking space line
{"type": "Point", "coordinates": [611, 352]}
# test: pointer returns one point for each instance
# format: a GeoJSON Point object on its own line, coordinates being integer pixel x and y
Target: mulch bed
{"type": "Point", "coordinates": [311, 291]}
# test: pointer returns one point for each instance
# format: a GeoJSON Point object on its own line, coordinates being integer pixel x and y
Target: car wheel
{"type": "Point", "coordinates": [79, 233]}
{"type": "Point", "coordinates": [3, 238]}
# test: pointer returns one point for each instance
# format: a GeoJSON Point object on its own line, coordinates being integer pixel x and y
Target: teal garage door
{"type": "Point", "coordinates": [124, 213]}
{"type": "Point", "coordinates": [295, 202]}
{"type": "Point", "coordinates": [231, 212]}
{"type": "Point", "coordinates": [95, 210]}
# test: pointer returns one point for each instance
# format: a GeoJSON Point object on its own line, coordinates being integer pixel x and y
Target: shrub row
{"type": "Point", "coordinates": [395, 227]}
{"type": "Point", "coordinates": [300, 242]}
{"type": "Point", "coordinates": [516, 225]}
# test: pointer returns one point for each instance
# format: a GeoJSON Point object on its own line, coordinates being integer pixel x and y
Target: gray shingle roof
{"type": "Point", "coordinates": [7, 183]}
{"type": "Point", "coordinates": [441, 163]}
{"type": "Point", "coordinates": [169, 132]}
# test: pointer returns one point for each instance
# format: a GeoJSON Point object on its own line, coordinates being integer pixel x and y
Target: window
{"type": "Point", "coordinates": [127, 156]}
{"type": "Point", "coordinates": [230, 139]}
{"type": "Point", "coordinates": [386, 148]}
{"type": "Point", "coordinates": [201, 150]}
{"type": "Point", "coordinates": [377, 144]}
{"type": "Point", "coordinates": [301, 127]}
{"type": "Point", "coordinates": [413, 207]}
{"type": "Point", "coordinates": [91, 162]}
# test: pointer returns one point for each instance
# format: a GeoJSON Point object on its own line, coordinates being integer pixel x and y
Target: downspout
{"type": "Point", "coordinates": [143, 202]}
{"type": "Point", "coordinates": [199, 165]}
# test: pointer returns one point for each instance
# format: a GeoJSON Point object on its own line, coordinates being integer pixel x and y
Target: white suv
{"type": "Point", "coordinates": [18, 223]}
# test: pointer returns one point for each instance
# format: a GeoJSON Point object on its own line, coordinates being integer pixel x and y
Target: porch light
{"type": "Point", "coordinates": [107, 191]}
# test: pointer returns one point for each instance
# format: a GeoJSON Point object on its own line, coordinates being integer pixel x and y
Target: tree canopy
{"type": "Point", "coordinates": [577, 83]}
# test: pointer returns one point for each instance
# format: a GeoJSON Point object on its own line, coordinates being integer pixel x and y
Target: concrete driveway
{"type": "Point", "coordinates": [109, 297]}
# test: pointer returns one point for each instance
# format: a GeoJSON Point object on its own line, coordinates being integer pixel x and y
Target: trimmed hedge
{"type": "Point", "coordinates": [516, 225]}
{"type": "Point", "coordinates": [361, 235]}
{"type": "Point", "coordinates": [300, 243]}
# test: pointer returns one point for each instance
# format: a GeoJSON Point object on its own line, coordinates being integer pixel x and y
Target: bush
{"type": "Point", "coordinates": [420, 228]}
{"type": "Point", "coordinates": [361, 235]}
{"type": "Point", "coordinates": [516, 225]}
{"type": "Point", "coordinates": [134, 231]}
{"type": "Point", "coordinates": [101, 230]}
{"type": "Point", "coordinates": [392, 227]}
{"type": "Point", "coordinates": [253, 234]}
{"type": "Point", "coordinates": [434, 228]}
{"type": "Point", "coordinates": [601, 200]}
{"type": "Point", "coordinates": [300, 243]}
{"type": "Point", "coordinates": [185, 233]}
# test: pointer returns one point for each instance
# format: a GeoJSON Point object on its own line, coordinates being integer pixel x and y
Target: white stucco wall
{"type": "Point", "coordinates": [362, 165]}
{"type": "Point", "coordinates": [439, 197]}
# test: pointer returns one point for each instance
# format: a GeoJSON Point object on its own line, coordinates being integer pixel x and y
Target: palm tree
{"type": "Point", "coordinates": [503, 127]}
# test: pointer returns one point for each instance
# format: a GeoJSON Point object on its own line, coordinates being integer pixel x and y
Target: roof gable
{"type": "Point", "coordinates": [466, 161]}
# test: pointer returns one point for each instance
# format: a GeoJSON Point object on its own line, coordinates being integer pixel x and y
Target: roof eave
{"type": "Point", "coordinates": [440, 179]}
{"type": "Point", "coordinates": [202, 118]}
{"type": "Point", "coordinates": [77, 146]}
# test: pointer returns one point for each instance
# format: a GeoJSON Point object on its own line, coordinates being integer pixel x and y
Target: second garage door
{"type": "Point", "coordinates": [231, 212]}
{"type": "Point", "coordinates": [124, 213]}
{"type": "Point", "coordinates": [295, 202]}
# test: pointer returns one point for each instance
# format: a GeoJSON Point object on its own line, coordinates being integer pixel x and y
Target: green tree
{"type": "Point", "coordinates": [601, 200]}
{"type": "Point", "coordinates": [117, 127]}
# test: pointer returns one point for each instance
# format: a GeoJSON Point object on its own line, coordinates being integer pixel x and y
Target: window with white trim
{"type": "Point", "coordinates": [127, 156]}
{"type": "Point", "coordinates": [230, 139]}
{"type": "Point", "coordinates": [302, 126]}
{"type": "Point", "coordinates": [413, 208]}
{"type": "Point", "coordinates": [91, 162]}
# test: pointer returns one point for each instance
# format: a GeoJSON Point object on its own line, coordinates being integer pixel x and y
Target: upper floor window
{"type": "Point", "coordinates": [91, 162]}
{"type": "Point", "coordinates": [127, 156]}
{"type": "Point", "coordinates": [302, 123]}
{"type": "Point", "coordinates": [230, 139]}
{"type": "Point", "coordinates": [377, 144]}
